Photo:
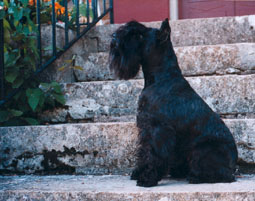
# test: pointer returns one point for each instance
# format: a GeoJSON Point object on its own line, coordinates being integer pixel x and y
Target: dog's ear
{"type": "Point", "coordinates": [164, 31]}
{"type": "Point", "coordinates": [125, 51]}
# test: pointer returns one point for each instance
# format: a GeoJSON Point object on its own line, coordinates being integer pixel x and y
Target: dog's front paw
{"type": "Point", "coordinates": [149, 183]}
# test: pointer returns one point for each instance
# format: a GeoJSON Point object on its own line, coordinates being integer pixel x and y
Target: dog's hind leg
{"type": "Point", "coordinates": [211, 163]}
{"type": "Point", "coordinates": [155, 155]}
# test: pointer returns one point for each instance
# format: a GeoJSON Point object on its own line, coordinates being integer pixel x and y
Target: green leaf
{"type": "Point", "coordinates": [19, 13]}
{"type": "Point", "coordinates": [61, 68]}
{"type": "Point", "coordinates": [11, 76]}
{"type": "Point", "coordinates": [57, 87]}
{"type": "Point", "coordinates": [83, 10]}
{"type": "Point", "coordinates": [26, 30]}
{"type": "Point", "coordinates": [48, 48]}
{"type": "Point", "coordinates": [7, 36]}
{"type": "Point", "coordinates": [19, 95]}
{"type": "Point", "coordinates": [10, 59]}
{"type": "Point", "coordinates": [16, 23]}
{"type": "Point", "coordinates": [11, 10]}
{"type": "Point", "coordinates": [50, 101]}
{"type": "Point", "coordinates": [30, 28]}
{"type": "Point", "coordinates": [6, 3]}
{"type": "Point", "coordinates": [59, 98]}
{"type": "Point", "coordinates": [42, 100]}
{"type": "Point", "coordinates": [16, 113]}
{"type": "Point", "coordinates": [31, 121]}
{"type": "Point", "coordinates": [19, 28]}
{"type": "Point", "coordinates": [2, 14]}
{"type": "Point", "coordinates": [24, 2]}
{"type": "Point", "coordinates": [7, 25]}
{"type": "Point", "coordinates": [69, 61]}
{"type": "Point", "coordinates": [17, 83]}
{"type": "Point", "coordinates": [60, 49]}
{"type": "Point", "coordinates": [78, 68]}
{"type": "Point", "coordinates": [33, 96]}
{"type": "Point", "coordinates": [12, 3]}
{"type": "Point", "coordinates": [44, 86]}
{"type": "Point", "coordinates": [4, 116]}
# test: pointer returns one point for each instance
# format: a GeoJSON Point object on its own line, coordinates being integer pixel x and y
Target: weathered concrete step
{"type": "Point", "coordinates": [193, 60]}
{"type": "Point", "coordinates": [117, 100]}
{"type": "Point", "coordinates": [120, 188]}
{"type": "Point", "coordinates": [205, 31]}
{"type": "Point", "coordinates": [93, 148]}
{"type": "Point", "coordinates": [191, 32]}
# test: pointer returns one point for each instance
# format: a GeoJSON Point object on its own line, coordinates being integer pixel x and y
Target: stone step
{"type": "Point", "coordinates": [193, 60]}
{"type": "Point", "coordinates": [228, 95]}
{"type": "Point", "coordinates": [190, 32]}
{"type": "Point", "coordinates": [93, 148]}
{"type": "Point", "coordinates": [120, 188]}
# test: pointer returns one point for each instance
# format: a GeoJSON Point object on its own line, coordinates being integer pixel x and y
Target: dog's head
{"type": "Point", "coordinates": [133, 44]}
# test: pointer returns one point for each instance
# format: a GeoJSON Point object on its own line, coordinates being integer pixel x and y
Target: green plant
{"type": "Point", "coordinates": [82, 13]}
{"type": "Point", "coordinates": [20, 59]}
{"type": "Point", "coordinates": [70, 64]}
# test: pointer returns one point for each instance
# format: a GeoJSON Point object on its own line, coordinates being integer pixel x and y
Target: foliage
{"type": "Point", "coordinates": [83, 14]}
{"type": "Point", "coordinates": [46, 12]}
{"type": "Point", "coordinates": [20, 58]}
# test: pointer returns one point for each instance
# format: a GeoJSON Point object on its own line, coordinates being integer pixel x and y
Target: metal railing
{"type": "Point", "coordinates": [80, 29]}
{"type": "Point", "coordinates": [1, 60]}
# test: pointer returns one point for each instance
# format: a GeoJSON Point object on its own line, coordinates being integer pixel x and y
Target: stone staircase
{"type": "Point", "coordinates": [95, 132]}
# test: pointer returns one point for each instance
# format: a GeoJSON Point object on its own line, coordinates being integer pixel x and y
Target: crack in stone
{"type": "Point", "coordinates": [244, 144]}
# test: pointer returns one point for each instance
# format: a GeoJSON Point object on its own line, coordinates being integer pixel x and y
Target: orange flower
{"type": "Point", "coordinates": [57, 5]}
{"type": "Point", "coordinates": [59, 9]}
{"type": "Point", "coordinates": [62, 10]}
{"type": "Point", "coordinates": [31, 2]}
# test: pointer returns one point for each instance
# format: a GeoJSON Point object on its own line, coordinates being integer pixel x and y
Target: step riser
{"type": "Point", "coordinates": [207, 31]}
{"type": "Point", "coordinates": [88, 196]}
{"type": "Point", "coordinates": [193, 61]}
{"type": "Point", "coordinates": [106, 148]}
{"type": "Point", "coordinates": [100, 101]}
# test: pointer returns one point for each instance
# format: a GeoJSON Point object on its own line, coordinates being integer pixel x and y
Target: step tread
{"type": "Point", "coordinates": [120, 188]}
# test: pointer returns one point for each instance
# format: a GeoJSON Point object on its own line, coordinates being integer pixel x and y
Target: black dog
{"type": "Point", "coordinates": [178, 132]}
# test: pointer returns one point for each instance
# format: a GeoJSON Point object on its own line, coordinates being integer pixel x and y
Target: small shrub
{"type": "Point", "coordinates": [20, 59]}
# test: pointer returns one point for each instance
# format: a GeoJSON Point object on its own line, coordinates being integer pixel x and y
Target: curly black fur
{"type": "Point", "coordinates": [179, 134]}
